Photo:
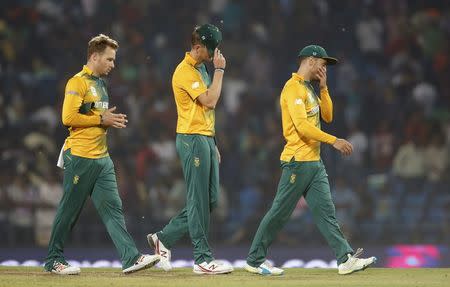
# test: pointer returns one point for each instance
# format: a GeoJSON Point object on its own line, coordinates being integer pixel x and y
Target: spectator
{"type": "Point", "coordinates": [382, 146]}
{"type": "Point", "coordinates": [22, 196]}
{"type": "Point", "coordinates": [49, 192]}
{"type": "Point", "coordinates": [436, 163]}
{"type": "Point", "coordinates": [357, 160]}
{"type": "Point", "coordinates": [369, 32]}
{"type": "Point", "coordinates": [347, 204]}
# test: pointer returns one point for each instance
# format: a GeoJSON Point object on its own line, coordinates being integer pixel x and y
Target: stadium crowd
{"type": "Point", "coordinates": [391, 96]}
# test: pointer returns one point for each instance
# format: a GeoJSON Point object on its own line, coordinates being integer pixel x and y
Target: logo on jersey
{"type": "Point", "coordinates": [76, 178]}
{"type": "Point", "coordinates": [313, 111]}
{"type": "Point", "coordinates": [101, 105]}
{"type": "Point", "coordinates": [195, 85]}
{"type": "Point", "coordinates": [293, 177]}
{"type": "Point", "coordinates": [93, 91]}
{"type": "Point", "coordinates": [298, 101]}
{"type": "Point", "coordinates": [196, 161]}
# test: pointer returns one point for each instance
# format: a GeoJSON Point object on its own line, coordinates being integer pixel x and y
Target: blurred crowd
{"type": "Point", "coordinates": [391, 95]}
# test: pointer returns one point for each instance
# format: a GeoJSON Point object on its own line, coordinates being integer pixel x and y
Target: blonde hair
{"type": "Point", "coordinates": [99, 43]}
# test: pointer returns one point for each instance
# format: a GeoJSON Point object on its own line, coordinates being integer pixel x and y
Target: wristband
{"type": "Point", "coordinates": [220, 69]}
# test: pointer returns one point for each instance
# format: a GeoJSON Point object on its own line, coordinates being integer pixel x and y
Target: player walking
{"type": "Point", "coordinates": [88, 169]}
{"type": "Point", "coordinates": [303, 173]}
{"type": "Point", "coordinates": [196, 98]}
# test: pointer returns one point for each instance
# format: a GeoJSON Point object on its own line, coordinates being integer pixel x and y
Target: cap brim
{"type": "Point", "coordinates": [330, 60]}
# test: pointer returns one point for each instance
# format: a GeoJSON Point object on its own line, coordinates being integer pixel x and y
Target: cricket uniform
{"type": "Point", "coordinates": [197, 150]}
{"type": "Point", "coordinates": [303, 173]}
{"type": "Point", "coordinates": [88, 169]}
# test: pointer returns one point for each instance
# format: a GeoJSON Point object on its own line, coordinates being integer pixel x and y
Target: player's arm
{"type": "Point", "coordinates": [71, 116]}
{"type": "Point", "coordinates": [296, 98]}
{"type": "Point", "coordinates": [210, 98]}
{"type": "Point", "coordinates": [296, 106]}
{"type": "Point", "coordinates": [73, 98]}
{"type": "Point", "coordinates": [326, 105]}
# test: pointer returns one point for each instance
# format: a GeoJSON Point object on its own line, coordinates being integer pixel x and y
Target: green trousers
{"type": "Point", "coordinates": [308, 179]}
{"type": "Point", "coordinates": [84, 177]}
{"type": "Point", "coordinates": [201, 172]}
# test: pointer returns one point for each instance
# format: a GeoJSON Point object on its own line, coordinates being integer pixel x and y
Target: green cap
{"type": "Point", "coordinates": [317, 52]}
{"type": "Point", "coordinates": [210, 36]}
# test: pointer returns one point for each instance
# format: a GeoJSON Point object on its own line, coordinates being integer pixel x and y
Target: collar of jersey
{"type": "Point", "coordinates": [89, 72]}
{"type": "Point", "coordinates": [297, 77]}
{"type": "Point", "coordinates": [190, 60]}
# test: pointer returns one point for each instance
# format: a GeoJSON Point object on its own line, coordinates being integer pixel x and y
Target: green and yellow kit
{"type": "Point", "coordinates": [303, 173]}
{"type": "Point", "coordinates": [196, 148]}
{"type": "Point", "coordinates": [88, 170]}
{"type": "Point", "coordinates": [85, 99]}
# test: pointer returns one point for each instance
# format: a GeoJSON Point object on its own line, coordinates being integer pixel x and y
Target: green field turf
{"type": "Point", "coordinates": [99, 277]}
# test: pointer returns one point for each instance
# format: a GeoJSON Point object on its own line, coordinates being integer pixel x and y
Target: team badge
{"type": "Point", "coordinates": [293, 177]}
{"type": "Point", "coordinates": [196, 161]}
{"type": "Point", "coordinates": [313, 111]}
{"type": "Point", "coordinates": [76, 178]}
{"type": "Point", "coordinates": [195, 85]}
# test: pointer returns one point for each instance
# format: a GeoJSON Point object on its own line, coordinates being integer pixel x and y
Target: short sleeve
{"type": "Point", "coordinates": [190, 80]}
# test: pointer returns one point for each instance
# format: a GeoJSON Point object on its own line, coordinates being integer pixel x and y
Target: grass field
{"type": "Point", "coordinates": [99, 277]}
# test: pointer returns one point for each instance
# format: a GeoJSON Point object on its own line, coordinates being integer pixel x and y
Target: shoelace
{"type": "Point", "coordinates": [267, 263]}
{"type": "Point", "coordinates": [139, 260]}
{"type": "Point", "coordinates": [59, 266]}
{"type": "Point", "coordinates": [358, 252]}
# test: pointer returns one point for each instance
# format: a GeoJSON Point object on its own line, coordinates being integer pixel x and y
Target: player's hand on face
{"type": "Point", "coordinates": [343, 146]}
{"type": "Point", "coordinates": [322, 75]}
{"type": "Point", "coordinates": [111, 119]}
{"type": "Point", "coordinates": [219, 60]}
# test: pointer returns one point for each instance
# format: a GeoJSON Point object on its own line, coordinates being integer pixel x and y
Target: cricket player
{"type": "Point", "coordinates": [88, 169]}
{"type": "Point", "coordinates": [303, 173]}
{"type": "Point", "coordinates": [196, 97]}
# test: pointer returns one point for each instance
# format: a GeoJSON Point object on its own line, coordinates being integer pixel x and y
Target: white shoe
{"type": "Point", "coordinates": [354, 264]}
{"type": "Point", "coordinates": [213, 267]}
{"type": "Point", "coordinates": [264, 269]}
{"type": "Point", "coordinates": [64, 269]}
{"type": "Point", "coordinates": [161, 251]}
{"type": "Point", "coordinates": [144, 262]}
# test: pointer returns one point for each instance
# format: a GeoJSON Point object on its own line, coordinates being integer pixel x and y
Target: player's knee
{"type": "Point", "coordinates": [114, 204]}
{"type": "Point", "coordinates": [324, 209]}
{"type": "Point", "coordinates": [277, 215]}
